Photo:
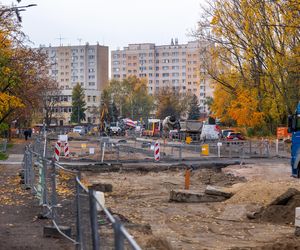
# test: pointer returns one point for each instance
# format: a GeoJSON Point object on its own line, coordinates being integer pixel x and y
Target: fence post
{"type": "Point", "coordinates": [78, 221]}
{"type": "Point", "coordinates": [26, 175]}
{"type": "Point", "coordinates": [93, 218]}
{"type": "Point", "coordinates": [180, 152]}
{"type": "Point", "coordinates": [4, 145]}
{"type": "Point", "coordinates": [118, 153]}
{"type": "Point", "coordinates": [119, 238]}
{"type": "Point", "coordinates": [54, 195]}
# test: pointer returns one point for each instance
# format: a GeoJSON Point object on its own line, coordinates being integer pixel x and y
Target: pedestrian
{"type": "Point", "coordinates": [29, 132]}
{"type": "Point", "coordinates": [26, 134]}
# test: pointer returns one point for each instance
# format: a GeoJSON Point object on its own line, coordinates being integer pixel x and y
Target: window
{"type": "Point", "coordinates": [91, 77]}
{"type": "Point", "coordinates": [175, 60]}
{"type": "Point", "coordinates": [94, 98]}
{"type": "Point", "coordinates": [165, 67]}
{"type": "Point", "coordinates": [89, 98]}
{"type": "Point", "coordinates": [91, 57]}
{"type": "Point", "coordinates": [165, 74]}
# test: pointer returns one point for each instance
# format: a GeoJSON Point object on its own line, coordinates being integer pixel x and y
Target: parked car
{"type": "Point", "coordinates": [234, 136]}
{"type": "Point", "coordinates": [115, 129]}
{"type": "Point", "coordinates": [79, 129]}
{"type": "Point", "coordinates": [225, 132]}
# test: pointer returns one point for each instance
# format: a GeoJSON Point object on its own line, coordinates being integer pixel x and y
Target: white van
{"type": "Point", "coordinates": [210, 132]}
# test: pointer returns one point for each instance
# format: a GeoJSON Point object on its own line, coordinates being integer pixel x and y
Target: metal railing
{"type": "Point", "coordinates": [3, 145]}
{"type": "Point", "coordinates": [65, 199]}
{"type": "Point", "coordinates": [143, 149]}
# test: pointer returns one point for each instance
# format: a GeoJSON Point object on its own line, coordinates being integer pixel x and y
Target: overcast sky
{"type": "Point", "coordinates": [114, 23]}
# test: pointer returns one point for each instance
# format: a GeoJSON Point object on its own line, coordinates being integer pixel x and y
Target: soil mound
{"type": "Point", "coordinates": [281, 214]}
{"type": "Point", "coordinates": [260, 192]}
{"type": "Point", "coordinates": [216, 177]}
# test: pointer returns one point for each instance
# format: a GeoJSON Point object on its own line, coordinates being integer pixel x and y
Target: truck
{"type": "Point", "coordinates": [191, 128]}
{"type": "Point", "coordinates": [294, 129]}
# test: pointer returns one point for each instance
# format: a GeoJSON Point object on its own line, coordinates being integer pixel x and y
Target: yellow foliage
{"type": "Point", "coordinates": [8, 102]}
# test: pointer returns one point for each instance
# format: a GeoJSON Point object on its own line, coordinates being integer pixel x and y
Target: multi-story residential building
{"type": "Point", "coordinates": [86, 65]}
{"type": "Point", "coordinates": [176, 66]}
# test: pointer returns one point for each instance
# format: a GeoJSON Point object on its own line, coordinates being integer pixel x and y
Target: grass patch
{"type": "Point", "coordinates": [10, 145]}
{"type": "Point", "coordinates": [3, 156]}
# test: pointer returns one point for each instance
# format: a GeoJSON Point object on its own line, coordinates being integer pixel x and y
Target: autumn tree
{"type": "Point", "coordinates": [50, 97]}
{"type": "Point", "coordinates": [253, 49]}
{"type": "Point", "coordinates": [78, 104]}
{"type": "Point", "coordinates": [23, 72]}
{"type": "Point", "coordinates": [130, 98]}
{"type": "Point", "coordinates": [170, 102]}
{"type": "Point", "coordinates": [194, 111]}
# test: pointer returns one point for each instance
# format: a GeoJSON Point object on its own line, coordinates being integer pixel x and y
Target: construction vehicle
{"type": "Point", "coordinates": [170, 123]}
{"type": "Point", "coordinates": [191, 128]}
{"type": "Point", "coordinates": [294, 128]}
{"type": "Point", "coordinates": [153, 128]}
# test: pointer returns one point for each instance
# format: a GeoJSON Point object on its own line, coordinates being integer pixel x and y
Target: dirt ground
{"type": "Point", "coordinates": [20, 227]}
{"type": "Point", "coordinates": [143, 198]}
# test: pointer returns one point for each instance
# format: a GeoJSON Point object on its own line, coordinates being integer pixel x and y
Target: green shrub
{"type": "Point", "coordinates": [3, 156]}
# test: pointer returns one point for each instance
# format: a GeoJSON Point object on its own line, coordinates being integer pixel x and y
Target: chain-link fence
{"type": "Point", "coordinates": [139, 149]}
{"type": "Point", "coordinates": [72, 207]}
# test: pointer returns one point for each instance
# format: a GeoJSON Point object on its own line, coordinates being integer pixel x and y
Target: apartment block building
{"type": "Point", "coordinates": [176, 66]}
{"type": "Point", "coordinates": [84, 64]}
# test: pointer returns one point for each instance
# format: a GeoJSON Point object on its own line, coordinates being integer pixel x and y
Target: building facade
{"type": "Point", "coordinates": [176, 66]}
{"type": "Point", "coordinates": [86, 65]}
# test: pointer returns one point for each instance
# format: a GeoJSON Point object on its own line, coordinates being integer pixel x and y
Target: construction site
{"type": "Point", "coordinates": [212, 195]}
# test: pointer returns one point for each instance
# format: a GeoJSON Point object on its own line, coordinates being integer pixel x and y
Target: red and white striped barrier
{"type": "Point", "coordinates": [66, 149]}
{"type": "Point", "coordinates": [156, 151]}
{"type": "Point", "coordinates": [61, 147]}
{"type": "Point", "coordinates": [57, 150]}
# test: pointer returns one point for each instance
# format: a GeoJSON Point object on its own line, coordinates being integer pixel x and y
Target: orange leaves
{"type": "Point", "coordinates": [244, 108]}
{"type": "Point", "coordinates": [241, 107]}
{"type": "Point", "coordinates": [10, 190]}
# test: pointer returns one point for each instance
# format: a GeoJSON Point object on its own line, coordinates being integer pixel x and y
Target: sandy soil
{"type": "Point", "coordinates": [143, 198]}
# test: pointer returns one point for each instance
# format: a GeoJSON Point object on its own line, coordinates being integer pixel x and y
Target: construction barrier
{"type": "Point", "coordinates": [157, 151]}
